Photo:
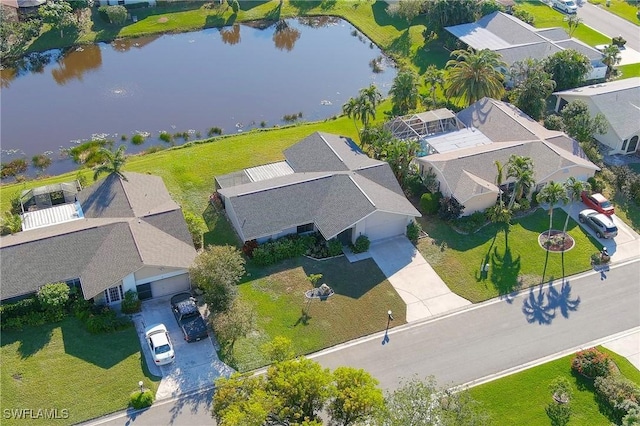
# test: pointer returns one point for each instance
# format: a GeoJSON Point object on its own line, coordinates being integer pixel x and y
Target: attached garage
{"type": "Point", "coordinates": [380, 225]}
{"type": "Point", "coordinates": [170, 285]}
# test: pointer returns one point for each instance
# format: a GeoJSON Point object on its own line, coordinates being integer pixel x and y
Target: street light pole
{"type": "Point", "coordinates": [389, 318]}
{"type": "Point", "coordinates": [141, 384]}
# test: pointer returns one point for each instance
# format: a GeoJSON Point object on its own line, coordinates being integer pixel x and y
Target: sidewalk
{"type": "Point", "coordinates": [627, 346]}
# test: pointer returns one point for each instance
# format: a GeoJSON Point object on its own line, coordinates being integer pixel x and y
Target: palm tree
{"type": "Point", "coordinates": [521, 169]}
{"type": "Point", "coordinates": [552, 193]}
{"type": "Point", "coordinates": [573, 188]}
{"type": "Point", "coordinates": [367, 110]}
{"type": "Point", "coordinates": [611, 57]}
{"type": "Point", "coordinates": [434, 78]}
{"type": "Point", "coordinates": [372, 94]}
{"type": "Point", "coordinates": [113, 162]}
{"type": "Point", "coordinates": [475, 74]}
{"type": "Point", "coordinates": [499, 178]}
{"type": "Point", "coordinates": [573, 22]}
{"type": "Point", "coordinates": [352, 110]}
{"type": "Point", "coordinates": [404, 91]}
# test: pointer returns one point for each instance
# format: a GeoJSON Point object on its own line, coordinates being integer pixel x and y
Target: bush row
{"type": "Point", "coordinates": [99, 318]}
{"type": "Point", "coordinates": [287, 247]}
{"type": "Point", "coordinates": [619, 394]}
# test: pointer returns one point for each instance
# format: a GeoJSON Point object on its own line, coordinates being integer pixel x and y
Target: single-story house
{"type": "Point", "coordinates": [326, 184]}
{"type": "Point", "coordinates": [463, 160]}
{"type": "Point", "coordinates": [516, 40]}
{"type": "Point", "coordinates": [619, 102]}
{"type": "Point", "coordinates": [114, 236]}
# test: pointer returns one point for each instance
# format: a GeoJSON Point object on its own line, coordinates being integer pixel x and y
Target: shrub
{"type": "Point", "coordinates": [53, 298]}
{"type": "Point", "coordinates": [450, 209]}
{"type": "Point", "coordinates": [114, 14]}
{"type": "Point", "coordinates": [429, 202]}
{"type": "Point", "coordinates": [553, 122]}
{"type": "Point", "coordinates": [13, 168]}
{"type": "Point", "coordinates": [335, 247]}
{"type": "Point", "coordinates": [560, 388]}
{"type": "Point", "coordinates": [141, 399]}
{"type": "Point", "coordinates": [197, 227]}
{"type": "Point", "coordinates": [413, 185]}
{"type": "Point", "coordinates": [284, 248]}
{"type": "Point", "coordinates": [413, 231]}
{"type": "Point", "coordinates": [523, 15]}
{"type": "Point", "coordinates": [165, 137]}
{"type": "Point", "coordinates": [471, 223]}
{"type": "Point", "coordinates": [618, 41]}
{"type": "Point", "coordinates": [591, 363]}
{"type": "Point", "coordinates": [137, 139]}
{"type": "Point", "coordinates": [41, 161]}
{"type": "Point", "coordinates": [130, 304]}
{"type": "Point", "coordinates": [618, 393]}
{"type": "Point", "coordinates": [596, 185]}
{"type": "Point", "coordinates": [362, 244]}
{"type": "Point", "coordinates": [248, 247]}
{"type": "Point", "coordinates": [102, 319]}
{"type": "Point", "coordinates": [559, 414]}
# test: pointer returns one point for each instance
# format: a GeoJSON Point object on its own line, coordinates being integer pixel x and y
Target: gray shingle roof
{"type": "Point", "coordinates": [618, 101]}
{"type": "Point", "coordinates": [126, 226]}
{"type": "Point", "coordinates": [335, 186]}
{"type": "Point", "coordinates": [516, 40]}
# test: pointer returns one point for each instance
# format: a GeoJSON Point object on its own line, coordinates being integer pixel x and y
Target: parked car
{"type": "Point", "coordinates": [160, 344]}
{"type": "Point", "coordinates": [598, 203]}
{"type": "Point", "coordinates": [601, 224]}
{"type": "Point", "coordinates": [188, 316]}
{"type": "Point", "coordinates": [566, 6]}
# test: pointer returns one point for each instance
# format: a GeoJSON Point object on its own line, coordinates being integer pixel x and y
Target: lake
{"type": "Point", "coordinates": [233, 79]}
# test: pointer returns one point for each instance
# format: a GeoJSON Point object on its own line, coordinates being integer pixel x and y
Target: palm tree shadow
{"type": "Point", "coordinates": [562, 299]}
{"type": "Point", "coordinates": [537, 308]}
{"type": "Point", "coordinates": [504, 271]}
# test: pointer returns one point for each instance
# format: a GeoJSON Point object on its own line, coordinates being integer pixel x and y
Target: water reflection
{"type": "Point", "coordinates": [74, 64]}
{"type": "Point", "coordinates": [125, 44]}
{"type": "Point", "coordinates": [285, 36]}
{"type": "Point", "coordinates": [231, 35]}
{"type": "Point", "coordinates": [164, 84]}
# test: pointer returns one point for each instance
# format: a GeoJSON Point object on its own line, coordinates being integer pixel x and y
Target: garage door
{"type": "Point", "coordinates": [170, 285]}
{"type": "Point", "coordinates": [384, 225]}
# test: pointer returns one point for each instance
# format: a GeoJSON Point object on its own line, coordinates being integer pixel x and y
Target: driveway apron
{"type": "Point", "coordinates": [414, 279]}
{"type": "Point", "coordinates": [196, 365]}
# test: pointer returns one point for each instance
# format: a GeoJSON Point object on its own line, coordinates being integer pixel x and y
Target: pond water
{"type": "Point", "coordinates": [235, 79]}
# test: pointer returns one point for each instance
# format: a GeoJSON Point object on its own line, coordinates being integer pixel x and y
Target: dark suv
{"type": "Point", "coordinates": [186, 311]}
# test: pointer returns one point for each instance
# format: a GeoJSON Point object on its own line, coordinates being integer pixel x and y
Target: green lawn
{"type": "Point", "coordinates": [62, 366]}
{"type": "Point", "coordinates": [515, 262]}
{"type": "Point", "coordinates": [358, 308]}
{"type": "Point", "coordinates": [521, 398]}
{"type": "Point", "coordinates": [622, 8]}
{"type": "Point", "coordinates": [546, 16]}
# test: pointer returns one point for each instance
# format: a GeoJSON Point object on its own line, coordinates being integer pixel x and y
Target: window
{"type": "Point", "coordinates": [113, 294]}
{"type": "Point", "coordinates": [305, 228]}
{"type": "Point", "coordinates": [633, 144]}
{"type": "Point", "coordinates": [624, 144]}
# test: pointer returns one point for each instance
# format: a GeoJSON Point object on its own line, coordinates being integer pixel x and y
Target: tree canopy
{"type": "Point", "coordinates": [404, 92]}
{"type": "Point", "coordinates": [578, 122]}
{"type": "Point", "coordinates": [568, 68]}
{"type": "Point", "coordinates": [475, 74]}
{"type": "Point", "coordinates": [217, 270]}
{"type": "Point", "coordinates": [58, 14]}
{"type": "Point", "coordinates": [113, 162]}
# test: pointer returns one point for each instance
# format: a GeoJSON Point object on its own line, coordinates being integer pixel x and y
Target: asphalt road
{"type": "Point", "coordinates": [598, 18]}
{"type": "Point", "coordinates": [487, 339]}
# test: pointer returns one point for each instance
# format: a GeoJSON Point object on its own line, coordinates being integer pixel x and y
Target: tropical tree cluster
{"type": "Point", "coordinates": [445, 13]}
{"type": "Point", "coordinates": [532, 85]}
{"type": "Point", "coordinates": [568, 68]}
{"type": "Point", "coordinates": [363, 107]}
{"type": "Point", "coordinates": [296, 391]}
{"type": "Point", "coordinates": [475, 74]}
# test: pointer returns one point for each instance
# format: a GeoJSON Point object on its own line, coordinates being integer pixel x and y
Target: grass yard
{"type": "Point", "coordinates": [627, 71]}
{"type": "Point", "coordinates": [546, 16]}
{"type": "Point", "coordinates": [358, 308]}
{"type": "Point", "coordinates": [62, 366]}
{"type": "Point", "coordinates": [622, 8]}
{"type": "Point", "coordinates": [514, 264]}
{"type": "Point", "coordinates": [521, 398]}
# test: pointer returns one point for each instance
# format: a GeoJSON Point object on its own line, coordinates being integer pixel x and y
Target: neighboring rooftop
{"type": "Point", "coordinates": [516, 40]}
{"type": "Point", "coordinates": [618, 101]}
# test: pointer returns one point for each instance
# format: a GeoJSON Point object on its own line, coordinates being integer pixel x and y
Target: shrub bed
{"type": "Point", "coordinates": [619, 394]}
{"type": "Point", "coordinates": [591, 363]}
{"type": "Point", "coordinates": [361, 245]}
{"type": "Point", "coordinates": [287, 247]}
{"type": "Point", "coordinates": [139, 400]}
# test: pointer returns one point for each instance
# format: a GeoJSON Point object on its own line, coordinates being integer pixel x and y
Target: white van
{"type": "Point", "coordinates": [566, 6]}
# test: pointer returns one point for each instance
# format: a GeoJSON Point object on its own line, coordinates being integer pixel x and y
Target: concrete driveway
{"type": "Point", "coordinates": [413, 278]}
{"type": "Point", "coordinates": [196, 365]}
{"type": "Point", "coordinates": [625, 246]}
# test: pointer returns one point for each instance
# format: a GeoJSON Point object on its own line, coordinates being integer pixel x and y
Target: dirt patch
{"type": "Point", "coordinates": [555, 241]}
{"type": "Point", "coordinates": [163, 20]}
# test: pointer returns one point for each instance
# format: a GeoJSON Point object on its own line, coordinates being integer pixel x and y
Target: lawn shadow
{"type": "Point", "coordinates": [382, 18]}
{"type": "Point", "coordinates": [505, 270]}
{"type": "Point", "coordinates": [89, 347]}
{"type": "Point", "coordinates": [483, 272]}
{"type": "Point", "coordinates": [32, 338]}
{"type": "Point", "coordinates": [432, 53]}
{"type": "Point", "coordinates": [352, 280]}
{"type": "Point", "coordinates": [402, 44]}
{"type": "Point", "coordinates": [221, 231]}
{"type": "Point", "coordinates": [304, 6]}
